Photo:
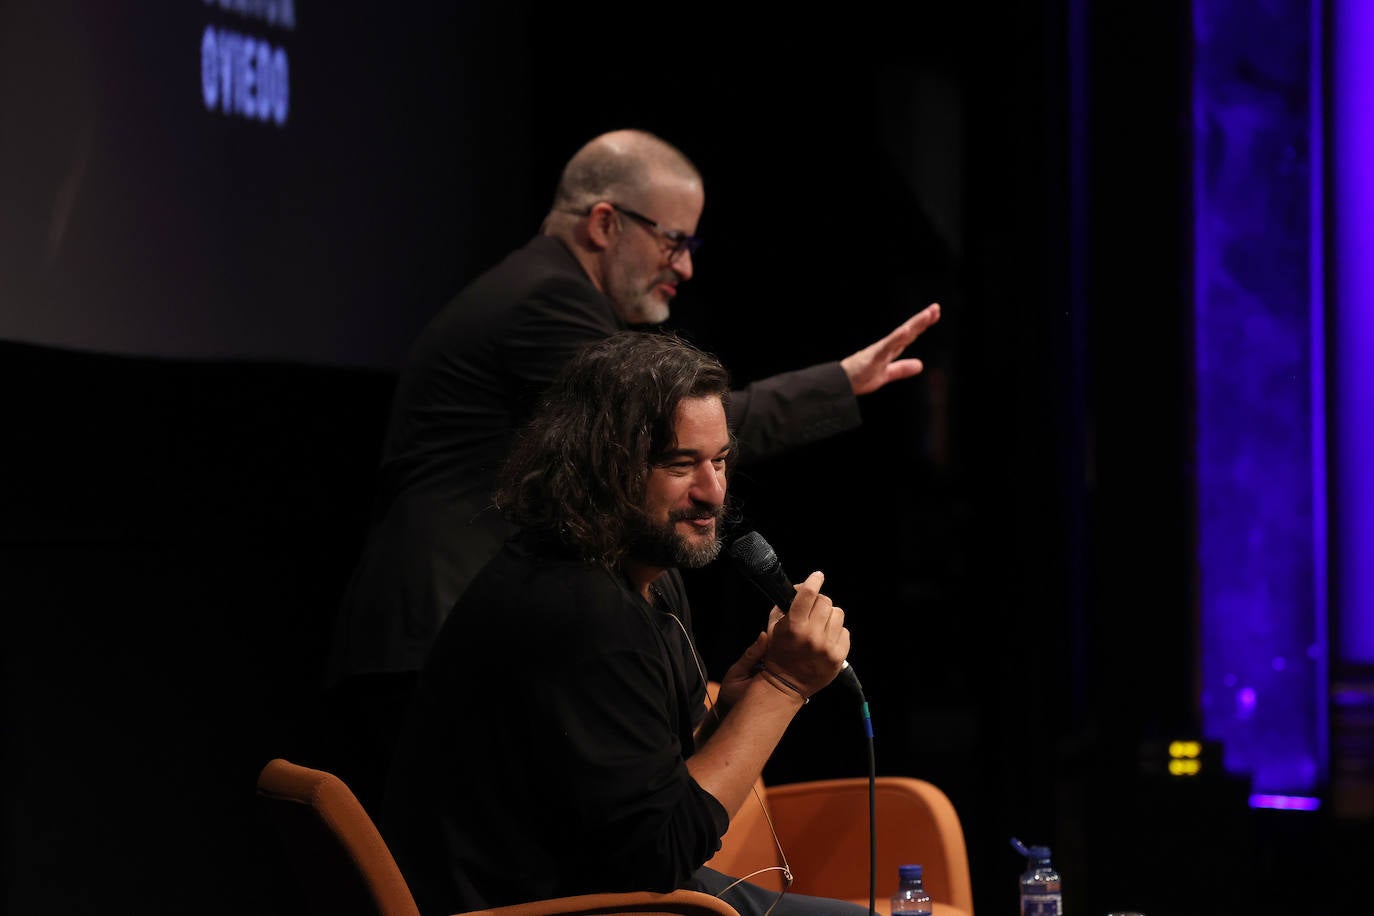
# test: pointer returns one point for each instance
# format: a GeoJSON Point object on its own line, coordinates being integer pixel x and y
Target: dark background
{"type": "Point", "coordinates": [197, 372]}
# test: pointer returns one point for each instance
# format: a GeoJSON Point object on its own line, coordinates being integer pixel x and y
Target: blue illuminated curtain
{"type": "Point", "coordinates": [1260, 388]}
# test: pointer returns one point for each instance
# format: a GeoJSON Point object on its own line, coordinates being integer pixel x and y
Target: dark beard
{"type": "Point", "coordinates": [662, 546]}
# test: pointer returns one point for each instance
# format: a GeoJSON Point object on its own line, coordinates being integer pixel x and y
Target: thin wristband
{"type": "Point", "coordinates": [782, 682]}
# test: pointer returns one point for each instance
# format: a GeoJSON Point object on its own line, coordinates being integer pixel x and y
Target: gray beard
{"type": "Point", "coordinates": [641, 310]}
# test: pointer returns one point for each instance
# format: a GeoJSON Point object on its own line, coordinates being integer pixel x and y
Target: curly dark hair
{"type": "Point", "coordinates": [579, 469]}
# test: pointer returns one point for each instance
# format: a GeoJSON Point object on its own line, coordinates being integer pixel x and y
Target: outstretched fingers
{"type": "Point", "coordinates": [907, 332]}
{"type": "Point", "coordinates": [877, 364]}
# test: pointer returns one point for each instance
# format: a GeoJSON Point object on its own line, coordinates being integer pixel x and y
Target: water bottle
{"type": "Point", "coordinates": [1040, 895]}
{"type": "Point", "coordinates": [911, 897]}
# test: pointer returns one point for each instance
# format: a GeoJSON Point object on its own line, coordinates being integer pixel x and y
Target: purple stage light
{"type": "Point", "coordinates": [1285, 802]}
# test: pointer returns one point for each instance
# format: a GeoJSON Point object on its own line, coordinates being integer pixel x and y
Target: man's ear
{"type": "Point", "coordinates": [602, 225]}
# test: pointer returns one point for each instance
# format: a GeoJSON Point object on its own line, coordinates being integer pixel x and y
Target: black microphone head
{"type": "Point", "coordinates": [756, 561]}
{"type": "Point", "coordinates": [754, 557]}
{"type": "Point", "coordinates": [752, 554]}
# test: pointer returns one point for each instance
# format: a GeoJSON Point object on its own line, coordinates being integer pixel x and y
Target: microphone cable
{"type": "Point", "coordinates": [853, 681]}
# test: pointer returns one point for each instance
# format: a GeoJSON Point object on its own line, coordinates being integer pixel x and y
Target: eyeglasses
{"type": "Point", "coordinates": [680, 241]}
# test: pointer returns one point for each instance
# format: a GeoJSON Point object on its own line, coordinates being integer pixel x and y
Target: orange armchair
{"type": "Point", "coordinates": [347, 870]}
{"type": "Point", "coordinates": [822, 828]}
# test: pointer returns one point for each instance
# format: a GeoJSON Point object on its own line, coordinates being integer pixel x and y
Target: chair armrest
{"type": "Point", "coordinates": [823, 826]}
{"type": "Point", "coordinates": [681, 903]}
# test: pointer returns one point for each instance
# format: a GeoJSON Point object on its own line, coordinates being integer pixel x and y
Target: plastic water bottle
{"type": "Point", "coordinates": [911, 897]}
{"type": "Point", "coordinates": [1040, 894]}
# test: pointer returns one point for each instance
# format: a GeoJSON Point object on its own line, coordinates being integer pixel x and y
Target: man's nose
{"type": "Point", "coordinates": [682, 264]}
{"type": "Point", "coordinates": [709, 486]}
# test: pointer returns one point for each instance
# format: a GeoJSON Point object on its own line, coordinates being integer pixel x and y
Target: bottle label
{"type": "Point", "coordinates": [1042, 905]}
{"type": "Point", "coordinates": [916, 905]}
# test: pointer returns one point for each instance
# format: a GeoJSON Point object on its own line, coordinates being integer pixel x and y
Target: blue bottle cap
{"type": "Point", "coordinates": [1030, 852]}
{"type": "Point", "coordinates": [908, 872]}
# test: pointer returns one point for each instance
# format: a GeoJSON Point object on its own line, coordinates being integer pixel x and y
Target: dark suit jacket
{"type": "Point", "coordinates": [472, 378]}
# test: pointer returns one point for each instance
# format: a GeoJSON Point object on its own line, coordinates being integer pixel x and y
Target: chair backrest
{"type": "Point", "coordinates": [916, 822]}
{"type": "Point", "coordinates": [344, 864]}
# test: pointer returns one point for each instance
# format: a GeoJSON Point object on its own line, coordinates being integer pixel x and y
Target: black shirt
{"type": "Point", "coordinates": [546, 755]}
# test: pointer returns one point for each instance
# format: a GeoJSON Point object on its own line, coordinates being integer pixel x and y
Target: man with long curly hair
{"type": "Point", "coordinates": [560, 743]}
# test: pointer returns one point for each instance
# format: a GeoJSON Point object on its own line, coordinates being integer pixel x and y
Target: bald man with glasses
{"type": "Point", "coordinates": [611, 254]}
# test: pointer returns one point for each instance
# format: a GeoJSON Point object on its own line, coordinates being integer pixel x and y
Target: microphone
{"type": "Point", "coordinates": [755, 559]}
